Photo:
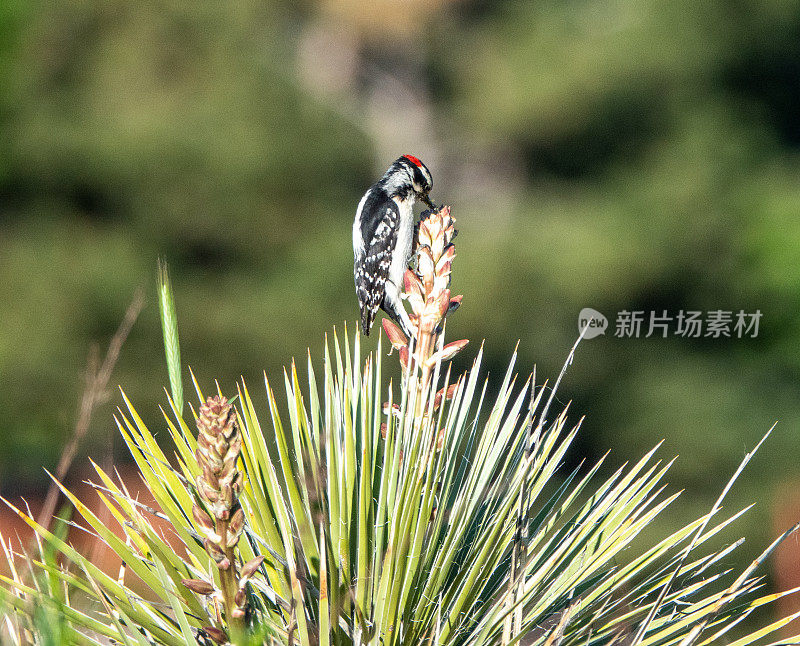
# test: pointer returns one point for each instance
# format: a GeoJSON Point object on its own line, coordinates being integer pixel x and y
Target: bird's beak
{"type": "Point", "coordinates": [425, 198]}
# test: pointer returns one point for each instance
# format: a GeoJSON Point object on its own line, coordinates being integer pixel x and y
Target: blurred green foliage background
{"type": "Point", "coordinates": [622, 155]}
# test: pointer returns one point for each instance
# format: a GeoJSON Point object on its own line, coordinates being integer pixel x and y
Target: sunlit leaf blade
{"type": "Point", "coordinates": [169, 327]}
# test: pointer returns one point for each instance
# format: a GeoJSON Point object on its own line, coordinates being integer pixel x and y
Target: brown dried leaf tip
{"type": "Point", "coordinates": [215, 634]}
{"type": "Point", "coordinates": [220, 517]}
{"type": "Point", "coordinates": [199, 586]}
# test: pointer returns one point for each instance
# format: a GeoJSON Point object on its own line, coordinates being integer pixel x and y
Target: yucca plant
{"type": "Point", "coordinates": [383, 513]}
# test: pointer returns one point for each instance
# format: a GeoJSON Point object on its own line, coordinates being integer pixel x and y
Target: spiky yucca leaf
{"type": "Point", "coordinates": [381, 525]}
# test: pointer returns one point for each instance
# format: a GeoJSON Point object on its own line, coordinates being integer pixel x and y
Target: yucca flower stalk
{"type": "Point", "coordinates": [385, 516]}
{"type": "Point", "coordinates": [217, 513]}
{"type": "Point", "coordinates": [428, 295]}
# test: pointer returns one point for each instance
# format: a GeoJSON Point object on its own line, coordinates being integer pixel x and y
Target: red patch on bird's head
{"type": "Point", "coordinates": [413, 160]}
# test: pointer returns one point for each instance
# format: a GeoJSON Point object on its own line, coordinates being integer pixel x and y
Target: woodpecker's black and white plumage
{"type": "Point", "coordinates": [383, 234]}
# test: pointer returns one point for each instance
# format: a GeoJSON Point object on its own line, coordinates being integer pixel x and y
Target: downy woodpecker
{"type": "Point", "coordinates": [383, 233]}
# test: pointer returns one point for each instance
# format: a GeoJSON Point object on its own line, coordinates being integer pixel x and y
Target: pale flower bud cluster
{"type": "Point", "coordinates": [428, 292]}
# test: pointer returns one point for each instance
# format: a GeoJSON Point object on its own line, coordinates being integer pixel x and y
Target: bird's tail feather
{"type": "Point", "coordinates": [367, 317]}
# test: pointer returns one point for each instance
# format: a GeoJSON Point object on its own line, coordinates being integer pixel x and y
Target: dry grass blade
{"type": "Point", "coordinates": [94, 394]}
{"type": "Point", "coordinates": [513, 623]}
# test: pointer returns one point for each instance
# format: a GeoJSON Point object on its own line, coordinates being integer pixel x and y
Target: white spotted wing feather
{"type": "Point", "coordinates": [373, 259]}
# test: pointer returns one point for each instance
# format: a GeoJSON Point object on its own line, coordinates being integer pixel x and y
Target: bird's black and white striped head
{"type": "Point", "coordinates": [408, 175]}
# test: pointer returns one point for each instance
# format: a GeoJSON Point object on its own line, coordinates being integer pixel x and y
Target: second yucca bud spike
{"type": "Point", "coordinates": [218, 514]}
{"type": "Point", "coordinates": [218, 446]}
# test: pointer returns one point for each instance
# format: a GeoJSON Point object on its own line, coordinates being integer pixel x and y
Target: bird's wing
{"type": "Point", "coordinates": [373, 269]}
